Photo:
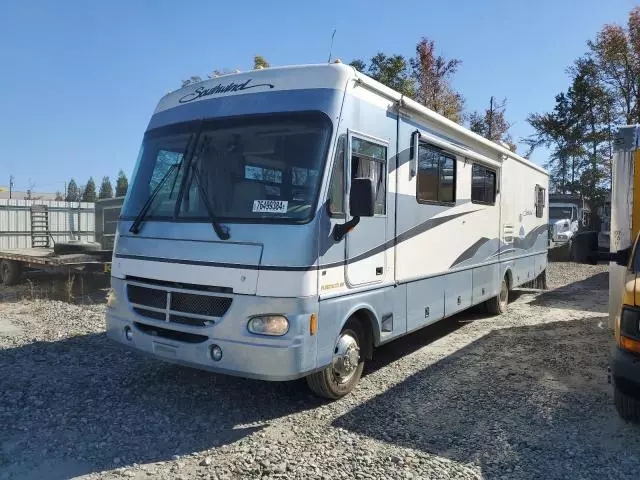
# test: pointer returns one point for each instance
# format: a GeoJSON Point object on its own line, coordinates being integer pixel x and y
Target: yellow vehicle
{"type": "Point", "coordinates": [624, 270]}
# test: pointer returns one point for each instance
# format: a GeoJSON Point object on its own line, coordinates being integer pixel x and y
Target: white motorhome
{"type": "Point", "coordinates": [283, 223]}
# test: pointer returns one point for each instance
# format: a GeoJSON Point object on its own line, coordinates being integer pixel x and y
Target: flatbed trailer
{"type": "Point", "coordinates": [14, 261]}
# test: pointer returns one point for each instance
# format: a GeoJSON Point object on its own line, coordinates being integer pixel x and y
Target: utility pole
{"type": "Point", "coordinates": [10, 186]}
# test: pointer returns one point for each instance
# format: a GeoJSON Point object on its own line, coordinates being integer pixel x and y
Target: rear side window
{"type": "Point", "coordinates": [483, 185]}
{"type": "Point", "coordinates": [540, 201]}
{"type": "Point", "coordinates": [436, 176]}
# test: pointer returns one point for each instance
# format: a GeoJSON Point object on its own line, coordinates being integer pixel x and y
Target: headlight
{"type": "Point", "coordinates": [276, 325]}
{"type": "Point", "coordinates": [111, 298]}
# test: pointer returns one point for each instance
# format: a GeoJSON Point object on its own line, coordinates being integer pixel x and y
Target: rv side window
{"type": "Point", "coordinates": [540, 201]}
{"type": "Point", "coordinates": [483, 185]}
{"type": "Point", "coordinates": [368, 160]}
{"type": "Point", "coordinates": [336, 186]}
{"type": "Point", "coordinates": [436, 175]}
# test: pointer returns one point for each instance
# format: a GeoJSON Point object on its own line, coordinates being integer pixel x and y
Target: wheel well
{"type": "Point", "coordinates": [509, 278]}
{"type": "Point", "coordinates": [366, 320]}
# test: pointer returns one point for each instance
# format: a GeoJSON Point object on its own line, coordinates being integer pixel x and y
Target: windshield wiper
{"type": "Point", "coordinates": [223, 233]}
{"type": "Point", "coordinates": [135, 226]}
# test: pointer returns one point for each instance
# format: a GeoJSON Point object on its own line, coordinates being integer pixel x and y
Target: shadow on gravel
{"type": "Point", "coordinates": [83, 405]}
{"type": "Point", "coordinates": [524, 403]}
{"type": "Point", "coordinates": [577, 295]}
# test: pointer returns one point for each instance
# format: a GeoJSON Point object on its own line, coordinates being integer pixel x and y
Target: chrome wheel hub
{"type": "Point", "coordinates": [346, 357]}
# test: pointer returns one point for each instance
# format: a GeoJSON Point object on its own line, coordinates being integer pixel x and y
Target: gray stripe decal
{"type": "Point", "coordinates": [469, 252]}
{"type": "Point", "coordinates": [412, 232]}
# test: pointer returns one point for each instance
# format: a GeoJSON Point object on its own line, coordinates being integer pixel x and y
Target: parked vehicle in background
{"type": "Point", "coordinates": [624, 286]}
{"type": "Point", "coordinates": [567, 215]}
{"type": "Point", "coordinates": [49, 235]}
{"type": "Point", "coordinates": [282, 223]}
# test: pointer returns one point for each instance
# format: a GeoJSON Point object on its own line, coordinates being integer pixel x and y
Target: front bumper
{"type": "Point", "coordinates": [244, 354]}
{"type": "Point", "coordinates": [625, 368]}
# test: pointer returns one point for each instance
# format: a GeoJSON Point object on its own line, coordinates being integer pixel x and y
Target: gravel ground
{"type": "Point", "coordinates": [520, 396]}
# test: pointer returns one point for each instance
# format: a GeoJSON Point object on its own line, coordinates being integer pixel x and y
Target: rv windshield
{"type": "Point", "coordinates": [560, 213]}
{"type": "Point", "coordinates": [259, 168]}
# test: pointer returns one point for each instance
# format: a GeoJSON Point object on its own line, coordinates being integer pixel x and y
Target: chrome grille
{"type": "Point", "coordinates": [175, 304]}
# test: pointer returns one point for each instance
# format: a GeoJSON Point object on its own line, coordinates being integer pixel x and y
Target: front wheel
{"type": "Point", "coordinates": [627, 406]}
{"type": "Point", "coordinates": [345, 370]}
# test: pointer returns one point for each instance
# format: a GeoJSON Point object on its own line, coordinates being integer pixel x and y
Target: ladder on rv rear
{"type": "Point", "coordinates": [40, 234]}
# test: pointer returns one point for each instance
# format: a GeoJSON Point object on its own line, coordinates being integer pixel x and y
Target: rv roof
{"type": "Point", "coordinates": [333, 76]}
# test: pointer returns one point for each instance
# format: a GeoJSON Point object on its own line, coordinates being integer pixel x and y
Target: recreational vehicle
{"type": "Point", "coordinates": [283, 223]}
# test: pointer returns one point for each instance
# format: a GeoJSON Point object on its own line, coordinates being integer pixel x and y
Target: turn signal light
{"type": "Point", "coordinates": [313, 324]}
{"type": "Point", "coordinates": [630, 344]}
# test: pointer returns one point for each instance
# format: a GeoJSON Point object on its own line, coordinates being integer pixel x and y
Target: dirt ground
{"type": "Point", "coordinates": [523, 395]}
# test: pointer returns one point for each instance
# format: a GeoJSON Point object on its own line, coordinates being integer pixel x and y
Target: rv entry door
{"type": "Point", "coordinates": [366, 249]}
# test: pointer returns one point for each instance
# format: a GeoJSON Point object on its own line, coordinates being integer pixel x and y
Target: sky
{"type": "Point", "coordinates": [80, 79]}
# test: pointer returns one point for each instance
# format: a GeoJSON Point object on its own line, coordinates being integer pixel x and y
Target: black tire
{"type": "Point", "coordinates": [10, 272]}
{"type": "Point", "coordinates": [541, 281]}
{"type": "Point", "coordinates": [628, 407]}
{"type": "Point", "coordinates": [66, 248]}
{"type": "Point", "coordinates": [325, 383]}
{"type": "Point", "coordinates": [498, 304]}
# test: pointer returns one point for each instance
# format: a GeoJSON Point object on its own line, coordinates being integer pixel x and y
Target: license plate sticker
{"type": "Point", "coordinates": [164, 350]}
{"type": "Point", "coordinates": [270, 206]}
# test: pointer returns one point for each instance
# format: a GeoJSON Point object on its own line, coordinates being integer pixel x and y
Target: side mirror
{"type": "Point", "coordinates": [362, 201]}
{"type": "Point", "coordinates": [621, 257]}
{"type": "Point", "coordinates": [362, 198]}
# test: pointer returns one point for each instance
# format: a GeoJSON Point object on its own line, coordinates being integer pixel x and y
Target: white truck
{"type": "Point", "coordinates": [567, 215]}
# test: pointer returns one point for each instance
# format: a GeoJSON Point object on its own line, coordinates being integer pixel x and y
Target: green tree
{"type": "Point", "coordinates": [616, 54]}
{"type": "Point", "coordinates": [122, 184]}
{"type": "Point", "coordinates": [73, 194]}
{"type": "Point", "coordinates": [391, 70]}
{"type": "Point", "coordinates": [259, 62]}
{"type": "Point", "coordinates": [106, 189]}
{"type": "Point", "coordinates": [89, 193]}
{"type": "Point", "coordinates": [433, 74]}
{"type": "Point", "coordinates": [559, 131]}
{"type": "Point", "coordinates": [491, 123]}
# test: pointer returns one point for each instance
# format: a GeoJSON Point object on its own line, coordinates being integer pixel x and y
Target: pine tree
{"type": "Point", "coordinates": [122, 184]}
{"type": "Point", "coordinates": [106, 189]}
{"type": "Point", "coordinates": [73, 194]}
{"type": "Point", "coordinates": [89, 194]}
{"type": "Point", "coordinates": [59, 197]}
{"type": "Point", "coordinates": [491, 123]}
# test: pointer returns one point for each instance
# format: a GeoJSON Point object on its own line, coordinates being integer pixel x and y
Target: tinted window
{"type": "Point", "coordinates": [540, 201]}
{"type": "Point", "coordinates": [368, 160]}
{"type": "Point", "coordinates": [483, 185]}
{"type": "Point", "coordinates": [233, 165]}
{"type": "Point", "coordinates": [436, 175]}
{"type": "Point", "coordinates": [336, 188]}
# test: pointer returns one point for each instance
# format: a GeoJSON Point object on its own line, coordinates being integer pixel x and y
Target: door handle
{"type": "Point", "coordinates": [379, 270]}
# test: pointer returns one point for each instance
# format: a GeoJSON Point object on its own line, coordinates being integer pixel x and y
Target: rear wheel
{"type": "Point", "coordinates": [10, 271]}
{"type": "Point", "coordinates": [345, 370]}
{"type": "Point", "coordinates": [628, 407]}
{"type": "Point", "coordinates": [498, 304]}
